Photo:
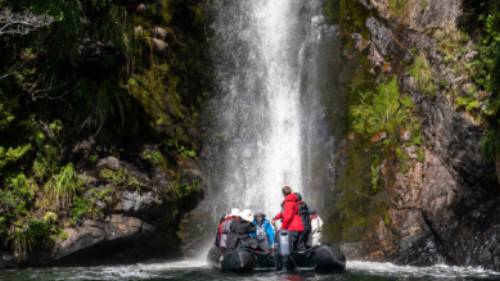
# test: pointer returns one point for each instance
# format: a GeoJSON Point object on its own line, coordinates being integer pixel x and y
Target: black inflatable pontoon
{"type": "Point", "coordinates": [321, 259]}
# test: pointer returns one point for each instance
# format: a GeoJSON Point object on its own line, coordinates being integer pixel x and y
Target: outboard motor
{"type": "Point", "coordinates": [284, 250]}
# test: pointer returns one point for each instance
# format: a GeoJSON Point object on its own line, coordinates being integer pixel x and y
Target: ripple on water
{"type": "Point", "coordinates": [199, 271]}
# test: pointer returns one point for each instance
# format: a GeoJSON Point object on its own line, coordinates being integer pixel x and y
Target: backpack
{"type": "Point", "coordinates": [226, 224]}
{"type": "Point", "coordinates": [304, 215]}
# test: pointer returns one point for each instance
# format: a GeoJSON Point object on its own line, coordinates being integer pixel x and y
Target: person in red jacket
{"type": "Point", "coordinates": [289, 216]}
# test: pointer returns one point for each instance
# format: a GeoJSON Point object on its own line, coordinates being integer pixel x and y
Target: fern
{"type": "Point", "coordinates": [378, 111]}
{"type": "Point", "coordinates": [63, 186]}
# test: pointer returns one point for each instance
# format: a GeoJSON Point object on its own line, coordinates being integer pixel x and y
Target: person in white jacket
{"type": "Point", "coordinates": [316, 225]}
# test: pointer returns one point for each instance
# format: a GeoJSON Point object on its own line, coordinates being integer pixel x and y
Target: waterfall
{"type": "Point", "coordinates": [259, 85]}
{"type": "Point", "coordinates": [267, 110]}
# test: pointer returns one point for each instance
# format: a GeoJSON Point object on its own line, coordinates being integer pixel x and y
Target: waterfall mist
{"type": "Point", "coordinates": [268, 123]}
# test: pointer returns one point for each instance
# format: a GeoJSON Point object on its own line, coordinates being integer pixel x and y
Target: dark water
{"type": "Point", "coordinates": [198, 271]}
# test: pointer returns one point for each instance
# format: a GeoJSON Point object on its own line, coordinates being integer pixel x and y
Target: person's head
{"type": "Point", "coordinates": [247, 215]}
{"type": "Point", "coordinates": [259, 218]}
{"type": "Point", "coordinates": [286, 190]}
{"type": "Point", "coordinates": [313, 212]}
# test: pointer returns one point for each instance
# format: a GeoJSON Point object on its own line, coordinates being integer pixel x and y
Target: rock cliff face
{"type": "Point", "coordinates": [435, 200]}
{"type": "Point", "coordinates": [100, 129]}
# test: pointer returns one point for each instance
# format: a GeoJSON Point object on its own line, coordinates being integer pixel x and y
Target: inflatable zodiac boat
{"type": "Point", "coordinates": [320, 259]}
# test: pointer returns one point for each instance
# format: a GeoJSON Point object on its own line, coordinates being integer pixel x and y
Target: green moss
{"type": "Point", "coordinates": [379, 111]}
{"type": "Point", "coordinates": [350, 15]}
{"type": "Point", "coordinates": [356, 204]}
{"type": "Point", "coordinates": [387, 218]}
{"type": "Point", "coordinates": [121, 178]}
{"type": "Point", "coordinates": [397, 7]}
{"type": "Point", "coordinates": [156, 90]}
{"type": "Point", "coordinates": [181, 149]}
{"type": "Point", "coordinates": [185, 190]}
{"type": "Point", "coordinates": [375, 176]}
{"type": "Point", "coordinates": [421, 72]}
{"type": "Point", "coordinates": [156, 158]}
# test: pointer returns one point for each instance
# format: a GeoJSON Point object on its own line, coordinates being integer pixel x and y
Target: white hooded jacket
{"type": "Point", "coordinates": [314, 238]}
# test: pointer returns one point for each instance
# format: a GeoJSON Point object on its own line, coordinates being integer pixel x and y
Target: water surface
{"type": "Point", "coordinates": [199, 271]}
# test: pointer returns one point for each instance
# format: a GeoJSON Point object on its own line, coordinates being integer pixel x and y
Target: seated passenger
{"type": "Point", "coordinates": [314, 238]}
{"type": "Point", "coordinates": [240, 232]}
{"type": "Point", "coordinates": [264, 233]}
{"type": "Point", "coordinates": [224, 228]}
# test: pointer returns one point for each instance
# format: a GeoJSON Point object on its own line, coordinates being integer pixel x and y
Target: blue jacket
{"type": "Point", "coordinates": [268, 228]}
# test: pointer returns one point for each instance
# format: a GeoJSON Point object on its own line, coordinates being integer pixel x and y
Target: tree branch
{"type": "Point", "coordinates": [22, 23]}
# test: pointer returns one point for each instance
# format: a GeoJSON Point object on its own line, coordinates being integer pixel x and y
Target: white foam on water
{"type": "Point", "coordinates": [117, 272]}
{"type": "Point", "coordinates": [436, 271]}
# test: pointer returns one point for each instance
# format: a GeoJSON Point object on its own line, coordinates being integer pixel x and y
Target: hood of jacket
{"type": "Point", "coordinates": [292, 197]}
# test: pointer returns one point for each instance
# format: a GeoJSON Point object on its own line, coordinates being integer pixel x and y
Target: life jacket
{"type": "Point", "coordinates": [304, 215]}
{"type": "Point", "coordinates": [225, 229]}
{"type": "Point", "coordinates": [261, 234]}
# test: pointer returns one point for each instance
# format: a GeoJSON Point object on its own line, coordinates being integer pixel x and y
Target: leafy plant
{"type": "Point", "coordinates": [155, 157]}
{"type": "Point", "coordinates": [12, 154]}
{"type": "Point", "coordinates": [63, 186]}
{"type": "Point", "coordinates": [181, 149]}
{"type": "Point", "coordinates": [81, 207]}
{"type": "Point", "coordinates": [375, 176]}
{"type": "Point", "coordinates": [378, 111]}
{"type": "Point", "coordinates": [422, 74]}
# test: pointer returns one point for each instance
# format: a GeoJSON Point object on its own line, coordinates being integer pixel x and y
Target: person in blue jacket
{"type": "Point", "coordinates": [264, 233]}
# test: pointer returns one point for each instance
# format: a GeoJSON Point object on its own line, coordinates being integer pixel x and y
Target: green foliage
{"type": "Point", "coordinates": [351, 15]}
{"type": "Point", "coordinates": [357, 204]}
{"type": "Point", "coordinates": [379, 111]}
{"type": "Point", "coordinates": [16, 198]}
{"type": "Point", "coordinates": [121, 178]}
{"type": "Point", "coordinates": [375, 176]}
{"type": "Point", "coordinates": [26, 233]}
{"type": "Point", "coordinates": [13, 154]}
{"type": "Point", "coordinates": [422, 73]}
{"type": "Point", "coordinates": [81, 208]}
{"type": "Point", "coordinates": [156, 158]}
{"type": "Point", "coordinates": [387, 218]}
{"type": "Point", "coordinates": [100, 104]}
{"type": "Point", "coordinates": [397, 7]}
{"type": "Point", "coordinates": [53, 95]}
{"type": "Point", "coordinates": [490, 144]}
{"type": "Point", "coordinates": [186, 189]}
{"type": "Point", "coordinates": [86, 206]}
{"type": "Point", "coordinates": [181, 149]}
{"type": "Point", "coordinates": [156, 93]}
{"type": "Point", "coordinates": [62, 187]}
{"type": "Point", "coordinates": [6, 117]}
{"type": "Point", "coordinates": [487, 67]}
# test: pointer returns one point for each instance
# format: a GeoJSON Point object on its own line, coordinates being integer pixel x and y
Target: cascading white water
{"type": "Point", "coordinates": [267, 113]}
{"type": "Point", "coordinates": [259, 84]}
{"type": "Point", "coordinates": [275, 23]}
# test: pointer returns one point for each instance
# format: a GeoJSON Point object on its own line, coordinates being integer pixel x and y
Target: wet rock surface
{"type": "Point", "coordinates": [91, 233]}
{"type": "Point", "coordinates": [445, 208]}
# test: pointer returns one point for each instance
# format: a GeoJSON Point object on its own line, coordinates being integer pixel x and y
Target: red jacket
{"type": "Point", "coordinates": [290, 214]}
